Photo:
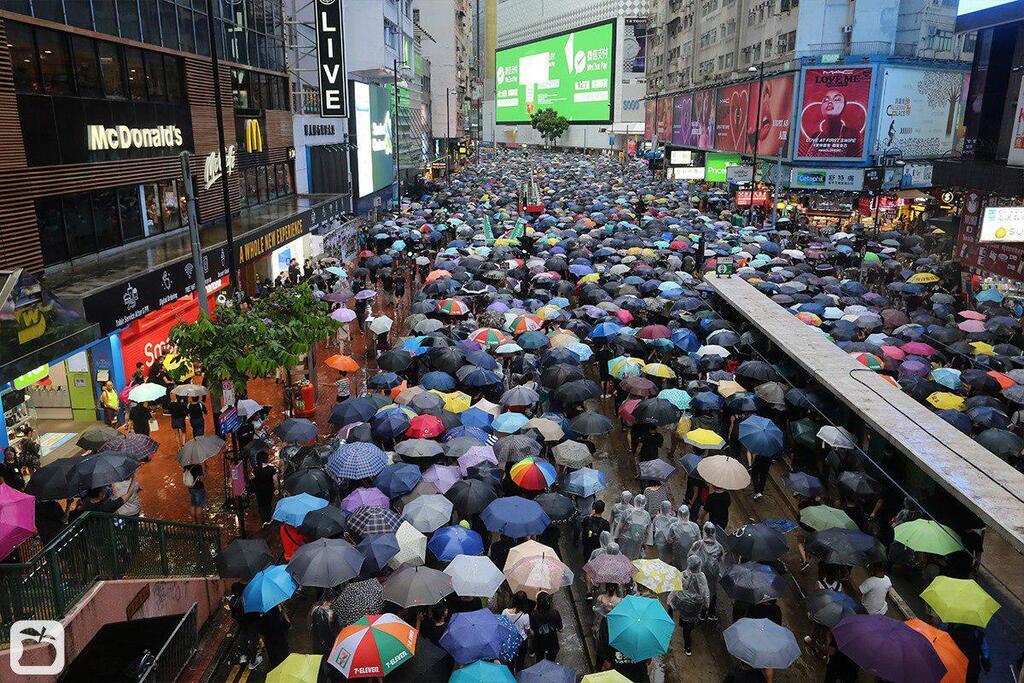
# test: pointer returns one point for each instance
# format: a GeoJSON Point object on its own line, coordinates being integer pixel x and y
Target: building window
{"type": "Point", "coordinates": [104, 211]}
{"type": "Point", "coordinates": [54, 62]}
{"type": "Point", "coordinates": [136, 73]}
{"type": "Point", "coordinates": [79, 14]}
{"type": "Point", "coordinates": [390, 31]}
{"type": "Point", "coordinates": [130, 212]}
{"type": "Point", "coordinates": [87, 67]}
{"type": "Point", "coordinates": [78, 224]}
{"type": "Point", "coordinates": [23, 58]}
{"type": "Point", "coordinates": [155, 81]}
{"type": "Point", "coordinates": [106, 16]}
{"type": "Point", "coordinates": [52, 239]}
{"type": "Point", "coordinates": [128, 18]}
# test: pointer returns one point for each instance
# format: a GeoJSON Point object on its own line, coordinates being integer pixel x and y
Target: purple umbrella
{"type": "Point", "coordinates": [366, 294]}
{"type": "Point", "coordinates": [498, 307]}
{"type": "Point", "coordinates": [443, 477]}
{"type": "Point", "coordinates": [366, 495]}
{"type": "Point", "coordinates": [889, 649]}
{"type": "Point", "coordinates": [913, 368]}
{"type": "Point", "coordinates": [344, 315]}
{"type": "Point", "coordinates": [476, 456]}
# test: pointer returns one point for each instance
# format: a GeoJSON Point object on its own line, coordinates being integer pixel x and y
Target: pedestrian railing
{"type": "Point", "coordinates": [100, 546]}
{"type": "Point", "coordinates": [170, 661]}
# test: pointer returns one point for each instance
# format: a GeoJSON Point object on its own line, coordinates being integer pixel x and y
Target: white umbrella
{"type": "Point", "coordinates": [527, 549]}
{"type": "Point", "coordinates": [247, 407]}
{"type": "Point", "coordinates": [412, 547]}
{"type": "Point", "coordinates": [713, 350]}
{"type": "Point", "coordinates": [147, 392]}
{"type": "Point", "coordinates": [538, 574]}
{"type": "Point", "coordinates": [189, 390]}
{"type": "Point", "coordinates": [488, 407]}
{"type": "Point", "coordinates": [381, 324]}
{"type": "Point", "coordinates": [837, 437]}
{"type": "Point", "coordinates": [724, 472]}
{"type": "Point", "coordinates": [474, 576]}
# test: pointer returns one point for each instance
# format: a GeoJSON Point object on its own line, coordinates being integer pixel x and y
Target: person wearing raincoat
{"type": "Point", "coordinates": [691, 600]}
{"type": "Point", "coordinates": [709, 551]}
{"type": "Point", "coordinates": [681, 536]}
{"type": "Point", "coordinates": [635, 529]}
{"type": "Point", "coordinates": [625, 503]}
{"type": "Point", "coordinates": [662, 524]}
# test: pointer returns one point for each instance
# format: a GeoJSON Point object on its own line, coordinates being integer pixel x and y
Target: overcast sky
{"type": "Point", "coordinates": [974, 5]}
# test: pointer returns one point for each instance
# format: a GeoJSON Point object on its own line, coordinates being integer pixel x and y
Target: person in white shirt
{"type": "Point", "coordinates": [128, 491]}
{"type": "Point", "coordinates": [874, 590]}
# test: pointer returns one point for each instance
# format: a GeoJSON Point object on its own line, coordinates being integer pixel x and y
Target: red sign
{"type": "Point", "coordinates": [771, 127]}
{"type": "Point", "coordinates": [731, 104]}
{"type": "Point", "coordinates": [664, 119]}
{"type": "Point", "coordinates": [145, 339]}
{"type": "Point", "coordinates": [997, 259]}
{"type": "Point", "coordinates": [833, 113]}
{"type": "Point", "coordinates": [761, 198]}
{"type": "Point", "coordinates": [866, 205]}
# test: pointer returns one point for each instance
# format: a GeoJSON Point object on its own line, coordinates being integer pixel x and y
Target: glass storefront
{"type": "Point", "coordinates": [263, 183]}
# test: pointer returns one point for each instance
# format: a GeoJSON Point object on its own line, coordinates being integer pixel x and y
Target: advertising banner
{"type": "Point", "coordinates": [682, 120]}
{"type": "Point", "coordinates": [731, 104]}
{"type": "Point", "coordinates": [770, 126]}
{"type": "Point", "coordinates": [649, 119]}
{"type": "Point", "coordinates": [833, 113]}
{"type": "Point", "coordinates": [716, 166]}
{"type": "Point", "coordinates": [760, 198]}
{"type": "Point", "coordinates": [634, 45]}
{"type": "Point", "coordinates": [686, 173]}
{"type": "Point", "coordinates": [571, 72]}
{"type": "Point", "coordinates": [373, 130]}
{"type": "Point", "coordinates": [919, 110]}
{"type": "Point", "coordinates": [1016, 153]}
{"type": "Point", "coordinates": [664, 118]}
{"type": "Point", "coordinates": [845, 179]}
{"type": "Point", "coordinates": [702, 121]}
{"type": "Point", "coordinates": [916, 175]}
{"type": "Point", "coordinates": [1005, 260]}
{"type": "Point", "coordinates": [1002, 224]}
{"type": "Point", "coordinates": [330, 54]}
{"type": "Point", "coordinates": [680, 157]}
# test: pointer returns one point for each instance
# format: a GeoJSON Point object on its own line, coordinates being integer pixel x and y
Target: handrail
{"type": "Point", "coordinates": [187, 621]}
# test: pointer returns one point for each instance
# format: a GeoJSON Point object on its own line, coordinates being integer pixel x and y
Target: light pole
{"type": "Point", "coordinates": [398, 150]}
{"type": "Point", "coordinates": [448, 137]}
{"type": "Point", "coordinates": [757, 134]}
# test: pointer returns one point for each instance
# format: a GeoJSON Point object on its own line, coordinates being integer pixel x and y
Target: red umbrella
{"type": "Point", "coordinates": [894, 352]}
{"type": "Point", "coordinates": [654, 332]}
{"type": "Point", "coordinates": [425, 427]}
{"type": "Point", "coordinates": [624, 315]}
{"type": "Point", "coordinates": [626, 411]}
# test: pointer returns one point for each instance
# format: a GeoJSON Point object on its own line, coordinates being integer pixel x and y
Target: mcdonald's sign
{"type": "Point", "coordinates": [253, 136]}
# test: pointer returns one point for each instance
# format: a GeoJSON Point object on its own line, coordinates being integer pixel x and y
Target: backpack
{"type": "Point", "coordinates": [188, 479]}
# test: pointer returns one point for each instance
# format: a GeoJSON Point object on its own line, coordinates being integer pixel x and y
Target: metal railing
{"type": "Point", "coordinates": [101, 546]}
{"type": "Point", "coordinates": [183, 642]}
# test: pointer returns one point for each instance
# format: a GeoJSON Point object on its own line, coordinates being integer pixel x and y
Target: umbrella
{"type": "Point", "coordinates": [949, 652]}
{"type": "Point", "coordinates": [889, 649]}
{"type": "Point", "coordinates": [268, 588]}
{"type": "Point", "coordinates": [431, 663]}
{"type": "Point", "coordinates": [610, 676]}
{"type": "Point", "coordinates": [559, 508]}
{"type": "Point", "coordinates": [483, 672]}
{"type": "Point", "coordinates": [536, 574]}
{"type": "Point", "coordinates": [244, 558]}
{"type": "Point", "coordinates": [515, 517]}
{"type": "Point", "coordinates": [471, 496]}
{"type": "Point", "coordinates": [928, 536]}
{"type": "Point", "coordinates": [473, 635]}
{"type": "Point", "coordinates": [761, 644]}
{"type": "Point", "coordinates": [296, 430]}
{"type": "Point", "coordinates": [94, 438]}
{"type": "Point", "coordinates": [584, 482]}
{"type": "Point", "coordinates": [417, 586]}
{"type": "Point", "coordinates": [532, 474]}
{"type": "Point", "coordinates": [846, 547]}
{"type": "Point", "coordinates": [760, 436]}
{"type": "Point", "coordinates": [342, 363]}
{"type": "Point", "coordinates": [752, 582]}
{"type": "Point", "coordinates": [373, 646]}
{"type": "Point", "coordinates": [412, 547]}
{"type": "Point", "coordinates": [326, 522]}
{"type": "Point", "coordinates": [17, 518]}
{"type": "Point", "coordinates": [724, 472]}
{"type": "Point", "coordinates": [757, 541]}
{"type": "Point", "coordinates": [296, 668]}
{"type": "Point", "coordinates": [443, 477]}
{"type": "Point", "coordinates": [960, 601]}
{"type": "Point", "coordinates": [428, 513]}
{"type": "Point", "coordinates": [606, 568]}
{"type": "Point", "coordinates": [474, 576]}
{"type": "Point", "coordinates": [358, 460]}
{"type": "Point", "coordinates": [147, 392]}
{"type": "Point", "coordinates": [102, 469]}
{"type": "Point", "coordinates": [639, 628]}
{"type": "Point", "coordinates": [419, 448]}
{"type": "Point", "coordinates": [54, 480]}
{"type": "Point", "coordinates": [704, 439]}
{"type": "Point", "coordinates": [837, 437]}
{"type": "Point", "coordinates": [546, 671]}
{"type": "Point", "coordinates": [821, 517]}
{"type": "Point", "coordinates": [380, 324]}
{"type": "Point", "coordinates": [828, 607]}
{"type": "Point", "coordinates": [139, 446]}
{"type": "Point", "coordinates": [325, 563]}
{"type": "Point", "coordinates": [655, 470]}
{"type": "Point", "coordinates": [590, 424]}
{"type": "Point", "coordinates": [368, 520]}
{"type": "Point", "coordinates": [200, 449]}
{"type": "Point", "coordinates": [247, 407]}
{"type": "Point", "coordinates": [657, 575]}
{"type": "Point", "coordinates": [292, 510]}
{"type": "Point", "coordinates": [398, 479]}
{"type": "Point", "coordinates": [311, 480]}
{"type": "Point", "coordinates": [804, 484]}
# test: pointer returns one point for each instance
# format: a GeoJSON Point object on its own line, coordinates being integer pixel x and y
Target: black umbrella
{"type": "Point", "coordinates": [577, 391]}
{"type": "Point", "coordinates": [383, 381]}
{"type": "Point", "coordinates": [93, 438]}
{"type": "Point", "coordinates": [804, 484]}
{"type": "Point", "coordinates": [758, 370]}
{"type": "Point", "coordinates": [828, 607]}
{"type": "Point", "coordinates": [471, 496]}
{"type": "Point", "coordinates": [516, 447]}
{"type": "Point", "coordinates": [55, 480]}
{"type": "Point", "coordinates": [358, 599]}
{"type": "Point", "coordinates": [417, 587]}
{"type": "Point", "coordinates": [448, 359]}
{"type": "Point", "coordinates": [431, 663]}
{"type": "Point", "coordinates": [325, 563]}
{"type": "Point", "coordinates": [858, 483]}
{"type": "Point", "coordinates": [244, 558]}
{"type": "Point", "coordinates": [310, 480]}
{"type": "Point", "coordinates": [590, 424]}
{"type": "Point", "coordinates": [296, 429]}
{"type": "Point", "coordinates": [395, 360]}
{"type": "Point", "coordinates": [558, 374]}
{"type": "Point", "coordinates": [758, 542]}
{"type": "Point", "coordinates": [325, 522]}
{"type": "Point", "coordinates": [656, 411]}
{"type": "Point", "coordinates": [561, 509]}
{"type": "Point", "coordinates": [101, 469]}
{"type": "Point", "coordinates": [846, 547]}
{"type": "Point", "coordinates": [753, 583]}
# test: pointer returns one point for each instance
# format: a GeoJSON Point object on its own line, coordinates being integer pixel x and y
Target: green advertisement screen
{"type": "Point", "coordinates": [370, 123]}
{"type": "Point", "coordinates": [716, 166]}
{"type": "Point", "coordinates": [572, 73]}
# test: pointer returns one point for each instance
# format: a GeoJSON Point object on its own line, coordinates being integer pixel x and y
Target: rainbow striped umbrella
{"type": "Point", "coordinates": [533, 474]}
{"type": "Point", "coordinates": [373, 646]}
{"type": "Point", "coordinates": [524, 323]}
{"type": "Point", "coordinates": [868, 360]}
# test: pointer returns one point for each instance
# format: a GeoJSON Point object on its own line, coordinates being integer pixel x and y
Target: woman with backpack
{"type": "Point", "coordinates": [546, 622]}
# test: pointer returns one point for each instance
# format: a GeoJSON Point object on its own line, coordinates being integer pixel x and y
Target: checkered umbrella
{"type": "Point", "coordinates": [357, 460]}
{"type": "Point", "coordinates": [139, 446]}
{"type": "Point", "coordinates": [374, 520]}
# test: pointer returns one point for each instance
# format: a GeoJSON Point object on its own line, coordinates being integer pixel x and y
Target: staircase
{"type": "Point", "coordinates": [50, 581]}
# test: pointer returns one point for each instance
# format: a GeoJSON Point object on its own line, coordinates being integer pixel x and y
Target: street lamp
{"type": "Point", "coordinates": [759, 70]}
{"type": "Point", "coordinates": [448, 137]}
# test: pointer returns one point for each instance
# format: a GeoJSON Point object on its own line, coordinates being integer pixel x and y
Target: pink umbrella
{"type": "Point", "coordinates": [17, 518]}
{"type": "Point", "coordinates": [972, 325]}
{"type": "Point", "coordinates": [893, 352]}
{"type": "Point", "coordinates": [972, 315]}
{"type": "Point", "coordinates": [368, 496]}
{"type": "Point", "coordinates": [919, 349]}
{"type": "Point", "coordinates": [344, 315]}
{"type": "Point", "coordinates": [624, 315]}
{"type": "Point", "coordinates": [443, 477]}
{"type": "Point", "coordinates": [475, 456]}
{"type": "Point", "coordinates": [626, 411]}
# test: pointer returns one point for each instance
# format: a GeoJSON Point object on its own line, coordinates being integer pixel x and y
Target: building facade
{"type": "Point", "coordinates": [447, 41]}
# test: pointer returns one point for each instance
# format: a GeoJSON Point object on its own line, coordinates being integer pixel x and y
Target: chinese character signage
{"type": "Point", "coordinates": [1002, 224]}
{"type": "Point", "coordinates": [846, 179]}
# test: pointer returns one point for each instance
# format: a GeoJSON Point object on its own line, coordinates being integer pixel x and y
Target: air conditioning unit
{"type": "Point", "coordinates": [848, 28]}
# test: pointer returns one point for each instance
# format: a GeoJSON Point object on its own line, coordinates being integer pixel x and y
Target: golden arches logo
{"type": "Point", "coordinates": [253, 136]}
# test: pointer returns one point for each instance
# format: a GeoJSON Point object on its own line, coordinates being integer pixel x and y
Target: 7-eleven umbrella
{"type": "Point", "coordinates": [453, 307]}
{"type": "Point", "coordinates": [488, 336]}
{"type": "Point", "coordinates": [960, 601]}
{"type": "Point", "coordinates": [373, 646]}
{"type": "Point", "coordinates": [533, 474]}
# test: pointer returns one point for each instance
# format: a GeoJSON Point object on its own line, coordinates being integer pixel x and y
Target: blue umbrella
{"type": "Point", "coordinates": [474, 417]}
{"type": "Point", "coordinates": [761, 436]}
{"type": "Point", "coordinates": [357, 460]}
{"type": "Point", "coordinates": [515, 517]}
{"type": "Point", "coordinates": [603, 330]}
{"type": "Point", "coordinates": [706, 402]}
{"type": "Point", "coordinates": [546, 671]}
{"type": "Point", "coordinates": [377, 550]}
{"type": "Point", "coordinates": [533, 340]}
{"type": "Point", "coordinates": [462, 430]}
{"type": "Point", "coordinates": [639, 628]}
{"type": "Point", "coordinates": [473, 635]}
{"type": "Point", "coordinates": [483, 672]}
{"type": "Point", "coordinates": [293, 509]}
{"type": "Point", "coordinates": [449, 541]}
{"type": "Point", "coordinates": [481, 378]}
{"type": "Point", "coordinates": [269, 588]}
{"type": "Point", "coordinates": [482, 359]}
{"type": "Point", "coordinates": [584, 482]}
{"type": "Point", "coordinates": [441, 381]}
{"type": "Point", "coordinates": [582, 351]}
{"type": "Point", "coordinates": [390, 424]}
{"type": "Point", "coordinates": [509, 423]}
{"type": "Point", "coordinates": [353, 410]}
{"type": "Point", "coordinates": [415, 346]}
{"type": "Point", "coordinates": [398, 479]}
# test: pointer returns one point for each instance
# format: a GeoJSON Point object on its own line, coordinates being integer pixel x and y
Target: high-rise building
{"type": "Point", "coordinates": [447, 42]}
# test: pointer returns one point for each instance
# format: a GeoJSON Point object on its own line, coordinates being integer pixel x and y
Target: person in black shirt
{"type": "Point", "coordinates": [140, 415]}
{"type": "Point", "coordinates": [650, 444]}
{"type": "Point", "coordinates": [50, 519]}
{"type": "Point", "coordinates": [263, 488]}
{"type": "Point", "coordinates": [139, 376]}
{"type": "Point", "coordinates": [99, 500]}
{"type": "Point", "coordinates": [197, 416]}
{"type": "Point", "coordinates": [592, 527]}
{"type": "Point", "coordinates": [717, 506]}
{"type": "Point", "coordinates": [499, 551]}
{"type": "Point", "coordinates": [178, 410]}
{"type": "Point", "coordinates": [10, 469]}
{"type": "Point", "coordinates": [545, 622]}
{"type": "Point", "coordinates": [435, 624]}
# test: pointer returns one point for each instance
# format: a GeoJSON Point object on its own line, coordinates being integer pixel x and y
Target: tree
{"type": "Point", "coordinates": [944, 88]}
{"type": "Point", "coordinates": [549, 124]}
{"type": "Point", "coordinates": [241, 344]}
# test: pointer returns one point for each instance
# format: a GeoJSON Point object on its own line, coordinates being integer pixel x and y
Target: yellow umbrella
{"type": "Point", "coordinates": [526, 549]}
{"type": "Point", "coordinates": [683, 426]}
{"type": "Point", "coordinates": [659, 370]}
{"type": "Point", "coordinates": [563, 338]}
{"type": "Point", "coordinates": [982, 349]}
{"type": "Point", "coordinates": [590, 277]}
{"type": "Point", "coordinates": [457, 401]}
{"type": "Point", "coordinates": [938, 231]}
{"type": "Point", "coordinates": [943, 400]}
{"type": "Point", "coordinates": [658, 576]}
{"type": "Point", "coordinates": [704, 438]}
{"type": "Point", "coordinates": [960, 601]}
{"type": "Point", "coordinates": [610, 676]}
{"type": "Point", "coordinates": [627, 365]}
{"type": "Point", "coordinates": [923, 278]}
{"type": "Point", "coordinates": [549, 311]}
{"type": "Point", "coordinates": [728, 387]}
{"type": "Point", "coordinates": [296, 668]}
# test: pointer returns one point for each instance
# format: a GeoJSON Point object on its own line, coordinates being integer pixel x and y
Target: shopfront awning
{"type": "Point", "coordinates": [627, 128]}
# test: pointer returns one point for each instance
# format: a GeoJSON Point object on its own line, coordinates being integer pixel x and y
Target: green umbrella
{"type": "Point", "coordinates": [927, 536]}
{"type": "Point", "coordinates": [821, 517]}
{"type": "Point", "coordinates": [870, 256]}
{"type": "Point", "coordinates": [804, 432]}
{"type": "Point", "coordinates": [960, 601]}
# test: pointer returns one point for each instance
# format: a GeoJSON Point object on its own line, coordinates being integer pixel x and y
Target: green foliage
{"type": "Point", "coordinates": [549, 124]}
{"type": "Point", "coordinates": [240, 344]}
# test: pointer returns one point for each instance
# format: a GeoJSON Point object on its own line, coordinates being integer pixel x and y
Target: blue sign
{"type": "Point", "coordinates": [229, 421]}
